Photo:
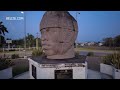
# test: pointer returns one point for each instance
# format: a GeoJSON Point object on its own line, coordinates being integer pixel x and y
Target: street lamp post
{"type": "Point", "coordinates": [24, 31]}
{"type": "Point", "coordinates": [77, 20]}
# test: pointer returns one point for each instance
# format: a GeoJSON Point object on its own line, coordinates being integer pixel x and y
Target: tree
{"type": "Point", "coordinates": [112, 42]}
{"type": "Point", "coordinates": [18, 43]}
{"type": "Point", "coordinates": [117, 41]}
{"type": "Point", "coordinates": [30, 40]}
{"type": "Point", "coordinates": [3, 30]}
{"type": "Point", "coordinates": [108, 41]}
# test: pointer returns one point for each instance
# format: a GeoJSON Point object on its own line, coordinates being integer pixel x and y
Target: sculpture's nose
{"type": "Point", "coordinates": [43, 37]}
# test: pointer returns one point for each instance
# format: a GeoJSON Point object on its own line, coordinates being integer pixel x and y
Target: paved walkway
{"type": "Point", "coordinates": [23, 76]}
{"type": "Point", "coordinates": [91, 75]}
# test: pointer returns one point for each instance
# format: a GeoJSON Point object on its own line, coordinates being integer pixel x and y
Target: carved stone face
{"type": "Point", "coordinates": [58, 42]}
{"type": "Point", "coordinates": [49, 41]}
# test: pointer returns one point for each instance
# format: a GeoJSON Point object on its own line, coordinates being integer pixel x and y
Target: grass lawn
{"type": "Point", "coordinates": [20, 53]}
{"type": "Point", "coordinates": [93, 50]}
{"type": "Point", "coordinates": [13, 52]}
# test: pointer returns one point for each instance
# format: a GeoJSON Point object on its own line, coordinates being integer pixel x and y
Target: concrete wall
{"type": "Point", "coordinates": [6, 73]}
{"type": "Point", "coordinates": [116, 74]}
{"type": "Point", "coordinates": [107, 69]}
{"type": "Point", "coordinates": [110, 70]}
{"type": "Point", "coordinates": [45, 73]}
{"type": "Point", "coordinates": [49, 73]}
{"type": "Point", "coordinates": [31, 62]}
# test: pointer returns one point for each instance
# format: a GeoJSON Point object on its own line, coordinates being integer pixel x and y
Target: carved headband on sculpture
{"type": "Point", "coordinates": [56, 27]}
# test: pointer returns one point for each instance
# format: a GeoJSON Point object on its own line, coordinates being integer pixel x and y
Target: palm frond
{"type": "Point", "coordinates": [3, 29]}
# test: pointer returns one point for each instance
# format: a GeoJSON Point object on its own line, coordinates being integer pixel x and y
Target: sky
{"type": "Point", "coordinates": [92, 25]}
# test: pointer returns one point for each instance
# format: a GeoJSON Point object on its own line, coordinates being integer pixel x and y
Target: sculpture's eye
{"type": "Point", "coordinates": [53, 30]}
{"type": "Point", "coordinates": [42, 31]}
{"type": "Point", "coordinates": [61, 42]}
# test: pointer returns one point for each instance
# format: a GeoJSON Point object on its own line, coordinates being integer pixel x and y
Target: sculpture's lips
{"type": "Point", "coordinates": [46, 47]}
{"type": "Point", "coordinates": [45, 43]}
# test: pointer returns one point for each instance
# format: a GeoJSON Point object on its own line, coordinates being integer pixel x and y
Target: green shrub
{"type": "Point", "coordinates": [37, 52]}
{"type": "Point", "coordinates": [107, 59]}
{"type": "Point", "coordinates": [112, 59]}
{"type": "Point", "coordinates": [90, 54]}
{"type": "Point", "coordinates": [80, 57]}
{"type": "Point", "coordinates": [77, 54]}
{"type": "Point", "coordinates": [4, 63]}
{"type": "Point", "coordinates": [14, 56]}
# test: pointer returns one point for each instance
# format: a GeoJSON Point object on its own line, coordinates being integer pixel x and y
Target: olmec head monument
{"type": "Point", "coordinates": [58, 34]}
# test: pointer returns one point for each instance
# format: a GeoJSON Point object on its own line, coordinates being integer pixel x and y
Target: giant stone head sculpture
{"type": "Point", "coordinates": [58, 34]}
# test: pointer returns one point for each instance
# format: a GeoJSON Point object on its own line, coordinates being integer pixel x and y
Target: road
{"type": "Point", "coordinates": [82, 52]}
{"type": "Point", "coordinates": [21, 53]}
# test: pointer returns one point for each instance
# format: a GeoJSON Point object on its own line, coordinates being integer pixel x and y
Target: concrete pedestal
{"type": "Point", "coordinates": [41, 68]}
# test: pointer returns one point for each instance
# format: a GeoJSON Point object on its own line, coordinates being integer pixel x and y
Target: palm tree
{"type": "Point", "coordinates": [30, 40]}
{"type": "Point", "coordinates": [3, 29]}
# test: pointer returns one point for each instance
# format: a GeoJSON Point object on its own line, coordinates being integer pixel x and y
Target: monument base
{"type": "Point", "coordinates": [41, 68]}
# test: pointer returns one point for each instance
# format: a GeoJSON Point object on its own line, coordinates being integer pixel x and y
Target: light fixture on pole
{"type": "Point", "coordinates": [22, 12]}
